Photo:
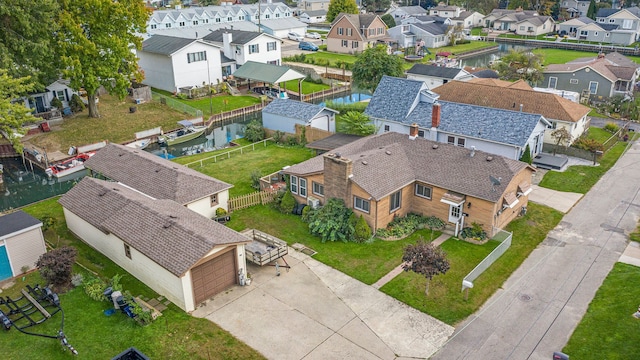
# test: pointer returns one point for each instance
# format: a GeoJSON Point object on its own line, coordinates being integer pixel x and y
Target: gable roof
{"type": "Point", "coordinates": [295, 109]}
{"type": "Point", "coordinates": [282, 23]}
{"type": "Point", "coordinates": [165, 45]}
{"type": "Point", "coordinates": [267, 72]}
{"type": "Point", "coordinates": [237, 36]}
{"type": "Point", "coordinates": [433, 28]}
{"type": "Point", "coordinates": [432, 70]}
{"type": "Point", "coordinates": [16, 222]}
{"type": "Point", "coordinates": [518, 84]}
{"type": "Point", "coordinates": [387, 162]}
{"type": "Point", "coordinates": [402, 91]}
{"type": "Point", "coordinates": [549, 105]}
{"type": "Point", "coordinates": [612, 66]}
{"type": "Point", "coordinates": [359, 21]}
{"type": "Point", "coordinates": [166, 232]}
{"type": "Point", "coordinates": [412, 10]}
{"type": "Point", "coordinates": [153, 175]}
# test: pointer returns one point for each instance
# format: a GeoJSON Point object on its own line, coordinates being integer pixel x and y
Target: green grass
{"type": "Point", "coordinates": [477, 31]}
{"type": "Point", "coordinates": [457, 49]}
{"type": "Point", "coordinates": [581, 178]}
{"type": "Point", "coordinates": [238, 168]}
{"type": "Point", "coordinates": [322, 56]}
{"type": "Point", "coordinates": [175, 335]}
{"type": "Point", "coordinates": [445, 301]}
{"type": "Point", "coordinates": [366, 262]}
{"type": "Point", "coordinates": [561, 56]}
{"type": "Point", "coordinates": [217, 102]}
{"type": "Point", "coordinates": [598, 134]}
{"type": "Point", "coordinates": [594, 112]}
{"type": "Point", "coordinates": [307, 87]}
{"type": "Point", "coordinates": [635, 236]}
{"type": "Point", "coordinates": [607, 330]}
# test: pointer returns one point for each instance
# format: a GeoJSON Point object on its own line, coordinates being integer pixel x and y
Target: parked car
{"type": "Point", "coordinates": [313, 35]}
{"type": "Point", "coordinates": [295, 36]}
{"type": "Point", "coordinates": [305, 45]}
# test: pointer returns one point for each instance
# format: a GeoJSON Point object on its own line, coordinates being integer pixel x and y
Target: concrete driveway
{"type": "Point", "coordinates": [316, 312]}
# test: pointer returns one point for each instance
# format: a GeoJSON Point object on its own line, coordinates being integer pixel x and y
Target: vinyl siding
{"type": "Point", "coordinates": [24, 249]}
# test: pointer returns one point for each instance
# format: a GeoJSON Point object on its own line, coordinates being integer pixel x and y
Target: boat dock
{"type": "Point", "coordinates": [7, 151]}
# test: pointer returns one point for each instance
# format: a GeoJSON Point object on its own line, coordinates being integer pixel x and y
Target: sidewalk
{"type": "Point", "coordinates": [631, 254]}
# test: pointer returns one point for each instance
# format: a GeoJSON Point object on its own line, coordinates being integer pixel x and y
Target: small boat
{"type": "Point", "coordinates": [188, 132]}
{"type": "Point", "coordinates": [139, 144]}
{"type": "Point", "coordinates": [69, 166]}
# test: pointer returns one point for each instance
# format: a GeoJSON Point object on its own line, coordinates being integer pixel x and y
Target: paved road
{"type": "Point", "coordinates": [543, 301]}
{"type": "Point", "coordinates": [601, 122]}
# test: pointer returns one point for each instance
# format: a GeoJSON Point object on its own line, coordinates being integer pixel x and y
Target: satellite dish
{"type": "Point", "coordinates": [495, 182]}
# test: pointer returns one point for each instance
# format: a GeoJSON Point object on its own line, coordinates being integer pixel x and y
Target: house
{"type": "Point", "coordinates": [281, 27]}
{"type": "Point", "coordinates": [560, 112]}
{"type": "Point", "coordinates": [313, 16]}
{"type": "Point", "coordinates": [21, 243]}
{"type": "Point", "coordinates": [284, 115]}
{"type": "Point", "coordinates": [392, 174]}
{"type": "Point", "coordinates": [503, 19]}
{"type": "Point", "coordinates": [313, 5]}
{"type": "Point", "coordinates": [178, 253]}
{"type": "Point", "coordinates": [575, 8]}
{"type": "Point", "coordinates": [618, 26]}
{"type": "Point", "coordinates": [571, 26]}
{"type": "Point", "coordinates": [602, 76]}
{"type": "Point", "coordinates": [432, 34]}
{"type": "Point", "coordinates": [435, 76]}
{"type": "Point", "coordinates": [170, 63]}
{"type": "Point", "coordinates": [398, 103]}
{"type": "Point", "coordinates": [141, 170]}
{"type": "Point", "coordinates": [468, 19]}
{"type": "Point", "coordinates": [535, 25]}
{"type": "Point", "coordinates": [353, 33]}
{"type": "Point", "coordinates": [242, 46]}
{"type": "Point", "coordinates": [41, 102]}
{"type": "Point", "coordinates": [402, 12]}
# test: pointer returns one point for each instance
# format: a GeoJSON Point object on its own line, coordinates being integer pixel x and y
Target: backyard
{"type": "Point", "coordinates": [215, 104]}
{"type": "Point", "coordinates": [561, 56]}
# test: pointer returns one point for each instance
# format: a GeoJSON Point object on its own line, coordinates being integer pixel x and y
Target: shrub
{"type": "Point", "coordinates": [56, 266]}
{"type": "Point", "coordinates": [331, 222]}
{"type": "Point", "coordinates": [94, 287]}
{"type": "Point", "coordinates": [292, 141]}
{"type": "Point", "coordinates": [56, 103]}
{"type": "Point", "coordinates": [76, 280]}
{"type": "Point", "coordinates": [279, 137]}
{"type": "Point", "coordinates": [221, 212]}
{"type": "Point", "coordinates": [611, 127]}
{"type": "Point", "coordinates": [255, 179]}
{"type": "Point", "coordinates": [287, 203]}
{"type": "Point", "coordinates": [305, 213]}
{"type": "Point", "coordinates": [254, 131]}
{"type": "Point", "coordinates": [362, 231]}
{"type": "Point", "coordinates": [115, 282]}
{"type": "Point", "coordinates": [526, 155]}
{"type": "Point", "coordinates": [76, 103]}
{"type": "Point", "coordinates": [48, 222]}
{"type": "Point", "coordinates": [474, 232]}
{"type": "Point", "coordinates": [402, 226]}
{"type": "Point", "coordinates": [585, 143]}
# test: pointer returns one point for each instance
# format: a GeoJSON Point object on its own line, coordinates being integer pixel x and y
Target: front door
{"type": "Point", "coordinates": [5, 266]}
{"type": "Point", "coordinates": [454, 213]}
{"type": "Point", "coordinates": [40, 104]}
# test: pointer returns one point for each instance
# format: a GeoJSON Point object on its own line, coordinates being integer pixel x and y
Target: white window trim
{"type": "Point", "coordinates": [399, 194]}
{"type": "Point", "coordinates": [302, 187]}
{"type": "Point", "coordinates": [555, 78]}
{"type": "Point", "coordinates": [593, 82]}
{"type": "Point", "coordinates": [313, 188]}
{"type": "Point", "coordinates": [424, 187]}
{"type": "Point", "coordinates": [355, 206]}
{"type": "Point", "coordinates": [293, 184]}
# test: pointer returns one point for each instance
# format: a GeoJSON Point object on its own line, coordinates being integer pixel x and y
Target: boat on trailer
{"type": "Point", "coordinates": [69, 166]}
{"type": "Point", "coordinates": [189, 131]}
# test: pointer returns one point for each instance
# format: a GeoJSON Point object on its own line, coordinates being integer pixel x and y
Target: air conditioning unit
{"type": "Point", "coordinates": [313, 202]}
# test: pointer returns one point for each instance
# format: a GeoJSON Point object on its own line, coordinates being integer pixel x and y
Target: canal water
{"type": "Point", "coordinates": [484, 60]}
{"type": "Point", "coordinates": [23, 185]}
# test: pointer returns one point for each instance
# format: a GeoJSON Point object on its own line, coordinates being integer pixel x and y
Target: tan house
{"type": "Point", "coordinates": [392, 174]}
{"type": "Point", "coordinates": [354, 33]}
{"type": "Point", "coordinates": [160, 178]}
{"type": "Point", "coordinates": [313, 5]}
{"type": "Point", "coordinates": [519, 96]}
{"type": "Point", "coordinates": [178, 253]}
{"type": "Point", "coordinates": [21, 243]}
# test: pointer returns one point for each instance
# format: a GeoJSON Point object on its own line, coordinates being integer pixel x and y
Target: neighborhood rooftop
{"type": "Point", "coordinates": [237, 36]}
{"type": "Point", "coordinates": [165, 45]}
{"type": "Point", "coordinates": [168, 233]}
{"type": "Point", "coordinates": [386, 162]}
{"type": "Point", "coordinates": [294, 109]}
{"type": "Point", "coordinates": [141, 170]}
{"type": "Point", "coordinates": [433, 70]}
{"type": "Point", "coordinates": [16, 221]}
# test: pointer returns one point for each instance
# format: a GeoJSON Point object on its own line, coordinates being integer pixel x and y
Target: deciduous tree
{"type": "Point", "coordinates": [562, 137]}
{"type": "Point", "coordinates": [372, 64]}
{"type": "Point", "coordinates": [56, 265]}
{"type": "Point", "coordinates": [388, 20]}
{"type": "Point", "coordinates": [425, 259]}
{"type": "Point", "coordinates": [341, 6]}
{"type": "Point", "coordinates": [520, 65]}
{"type": "Point", "coordinates": [14, 114]}
{"type": "Point", "coordinates": [96, 39]}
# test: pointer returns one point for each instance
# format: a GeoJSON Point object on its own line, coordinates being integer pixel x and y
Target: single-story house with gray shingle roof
{"type": "Point", "coordinates": [284, 114]}
{"type": "Point", "coordinates": [391, 174]}
{"type": "Point", "coordinates": [313, 16]}
{"type": "Point", "coordinates": [178, 253]}
{"type": "Point", "coordinates": [398, 103]}
{"type": "Point", "coordinates": [435, 76]}
{"type": "Point", "coordinates": [21, 243]}
{"type": "Point", "coordinates": [282, 26]}
{"type": "Point", "coordinates": [160, 179]}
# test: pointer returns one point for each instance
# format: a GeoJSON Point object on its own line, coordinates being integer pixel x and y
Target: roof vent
{"type": "Point", "coordinates": [489, 158]}
{"type": "Point", "coordinates": [173, 216]}
{"type": "Point", "coordinates": [157, 170]}
{"type": "Point", "coordinates": [388, 152]}
{"type": "Point", "coordinates": [364, 162]}
{"type": "Point", "coordinates": [167, 224]}
{"type": "Point", "coordinates": [103, 193]}
{"type": "Point", "coordinates": [435, 146]}
{"type": "Point", "coordinates": [337, 155]}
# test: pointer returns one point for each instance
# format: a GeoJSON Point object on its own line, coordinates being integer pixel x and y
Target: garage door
{"type": "Point", "coordinates": [214, 276]}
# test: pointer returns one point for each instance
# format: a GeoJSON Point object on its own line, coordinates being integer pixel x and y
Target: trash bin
{"type": "Point", "coordinates": [132, 109]}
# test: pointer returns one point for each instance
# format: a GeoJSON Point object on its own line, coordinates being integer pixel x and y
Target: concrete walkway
{"type": "Point", "coordinates": [540, 305]}
{"type": "Point", "coordinates": [631, 254]}
{"type": "Point", "coordinates": [559, 200]}
{"type": "Point", "coordinates": [398, 270]}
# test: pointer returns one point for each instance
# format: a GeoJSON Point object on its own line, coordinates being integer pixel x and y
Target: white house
{"type": "Point", "coordinates": [468, 19]}
{"type": "Point", "coordinates": [176, 252]}
{"type": "Point", "coordinates": [313, 16]}
{"type": "Point", "coordinates": [534, 26]}
{"type": "Point", "coordinates": [41, 102]}
{"type": "Point", "coordinates": [431, 34]}
{"type": "Point", "coordinates": [243, 46]}
{"type": "Point", "coordinates": [21, 243]}
{"type": "Point", "coordinates": [402, 12]}
{"type": "Point", "coordinates": [284, 114]}
{"type": "Point", "coordinates": [281, 27]}
{"type": "Point", "coordinates": [435, 76]}
{"type": "Point", "coordinates": [170, 63]}
{"type": "Point", "coordinates": [446, 11]}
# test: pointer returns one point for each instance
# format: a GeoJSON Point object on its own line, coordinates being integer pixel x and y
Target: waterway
{"type": "Point", "coordinates": [483, 60]}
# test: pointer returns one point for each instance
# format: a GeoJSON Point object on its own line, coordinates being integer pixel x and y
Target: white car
{"type": "Point", "coordinates": [295, 36]}
{"type": "Point", "coordinates": [313, 35]}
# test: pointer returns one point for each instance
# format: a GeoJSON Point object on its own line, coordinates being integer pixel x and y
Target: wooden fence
{"type": "Point", "coordinates": [215, 118]}
{"type": "Point", "coordinates": [341, 77]}
{"type": "Point", "coordinates": [324, 93]}
{"type": "Point", "coordinates": [248, 200]}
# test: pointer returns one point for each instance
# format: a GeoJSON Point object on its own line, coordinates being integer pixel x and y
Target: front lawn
{"type": "Point", "coordinates": [607, 330]}
{"type": "Point", "coordinates": [580, 178]}
{"type": "Point", "coordinates": [175, 335]}
{"type": "Point", "coordinates": [598, 134]}
{"type": "Point", "coordinates": [238, 167]}
{"type": "Point", "coordinates": [366, 262]}
{"type": "Point", "coordinates": [446, 301]}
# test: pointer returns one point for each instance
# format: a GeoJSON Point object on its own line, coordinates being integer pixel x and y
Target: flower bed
{"type": "Point", "coordinates": [401, 227]}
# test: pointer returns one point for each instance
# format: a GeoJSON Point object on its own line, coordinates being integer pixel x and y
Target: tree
{"type": "Point", "coordinates": [562, 137]}
{"type": "Point", "coordinates": [95, 40]}
{"type": "Point", "coordinates": [425, 259]}
{"type": "Point", "coordinates": [341, 6]}
{"type": "Point", "coordinates": [331, 222]}
{"type": "Point", "coordinates": [254, 131]}
{"type": "Point", "coordinates": [14, 114]}
{"type": "Point", "coordinates": [388, 20]}
{"type": "Point", "coordinates": [373, 6]}
{"type": "Point", "coordinates": [208, 2]}
{"type": "Point", "coordinates": [362, 231]}
{"type": "Point", "coordinates": [356, 123]}
{"type": "Point", "coordinates": [591, 12]}
{"type": "Point", "coordinates": [526, 155]}
{"type": "Point", "coordinates": [520, 65]}
{"type": "Point", "coordinates": [372, 64]}
{"type": "Point", "coordinates": [56, 265]}
{"type": "Point", "coordinates": [434, 223]}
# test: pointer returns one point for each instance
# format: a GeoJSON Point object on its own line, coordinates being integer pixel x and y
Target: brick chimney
{"type": "Point", "coordinates": [413, 131]}
{"type": "Point", "coordinates": [337, 172]}
{"type": "Point", "coordinates": [435, 116]}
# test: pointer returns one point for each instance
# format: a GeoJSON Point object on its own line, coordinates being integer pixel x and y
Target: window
{"type": "Point", "coordinates": [340, 31]}
{"type": "Point", "coordinates": [522, 28]}
{"type": "Point", "coordinates": [154, 26]}
{"type": "Point", "coordinates": [197, 56]}
{"type": "Point", "coordinates": [553, 82]}
{"type": "Point", "coordinates": [461, 142]}
{"type": "Point", "coordinates": [206, 21]}
{"type": "Point", "coordinates": [423, 191]}
{"type": "Point", "coordinates": [267, 16]}
{"type": "Point", "coordinates": [451, 140]}
{"type": "Point", "coordinates": [573, 81]}
{"type": "Point", "coordinates": [318, 188]}
{"type": "Point", "coordinates": [405, 28]}
{"type": "Point", "coordinates": [456, 141]}
{"type": "Point", "coordinates": [552, 126]}
{"type": "Point", "coordinates": [303, 187]}
{"type": "Point", "coordinates": [421, 133]}
{"type": "Point", "coordinates": [394, 203]}
{"type": "Point", "coordinates": [386, 128]}
{"type": "Point", "coordinates": [593, 87]}
{"type": "Point", "coordinates": [345, 43]}
{"type": "Point", "coordinates": [181, 23]}
{"type": "Point", "coordinates": [127, 251]}
{"type": "Point", "coordinates": [354, 44]}
{"type": "Point", "coordinates": [195, 22]}
{"type": "Point", "coordinates": [60, 95]}
{"type": "Point", "coordinates": [610, 20]}
{"type": "Point", "coordinates": [229, 19]}
{"type": "Point", "coordinates": [218, 20]}
{"type": "Point", "coordinates": [271, 46]}
{"type": "Point", "coordinates": [294, 184]}
{"type": "Point", "coordinates": [277, 15]}
{"type": "Point", "coordinates": [253, 49]}
{"type": "Point", "coordinates": [626, 24]}
{"type": "Point", "coordinates": [349, 31]}
{"type": "Point", "coordinates": [595, 33]}
{"type": "Point", "coordinates": [601, 20]}
{"type": "Point", "coordinates": [167, 25]}
{"type": "Point", "coordinates": [214, 200]}
{"type": "Point", "coordinates": [606, 35]}
{"type": "Point", "coordinates": [361, 204]}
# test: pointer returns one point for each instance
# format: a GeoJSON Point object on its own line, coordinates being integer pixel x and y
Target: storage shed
{"type": "Point", "coordinates": [21, 243]}
{"type": "Point", "coordinates": [284, 114]}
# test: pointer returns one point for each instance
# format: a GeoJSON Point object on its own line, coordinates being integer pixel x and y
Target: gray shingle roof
{"type": "Point", "coordinates": [16, 221]}
{"type": "Point", "coordinates": [171, 235]}
{"type": "Point", "coordinates": [237, 36]}
{"type": "Point", "coordinates": [606, 12]}
{"type": "Point", "coordinates": [432, 70]}
{"type": "Point", "coordinates": [402, 91]}
{"type": "Point", "coordinates": [165, 45]}
{"type": "Point", "coordinates": [294, 109]}
{"type": "Point", "coordinates": [153, 175]}
{"type": "Point", "coordinates": [393, 161]}
{"type": "Point", "coordinates": [433, 28]}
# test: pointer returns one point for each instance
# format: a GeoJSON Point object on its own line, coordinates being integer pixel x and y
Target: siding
{"type": "Point", "coordinates": [204, 208]}
{"type": "Point", "coordinates": [24, 249]}
{"type": "Point", "coordinates": [583, 77]}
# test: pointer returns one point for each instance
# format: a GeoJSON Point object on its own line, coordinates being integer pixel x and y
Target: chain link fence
{"type": "Point", "coordinates": [175, 104]}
